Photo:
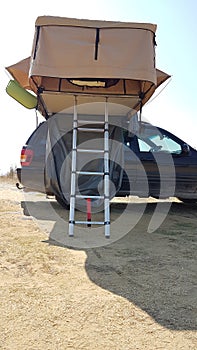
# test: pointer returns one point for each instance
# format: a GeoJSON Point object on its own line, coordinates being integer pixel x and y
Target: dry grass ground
{"type": "Point", "coordinates": [136, 293]}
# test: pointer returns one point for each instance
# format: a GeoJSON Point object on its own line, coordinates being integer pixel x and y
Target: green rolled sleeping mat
{"type": "Point", "coordinates": [24, 97]}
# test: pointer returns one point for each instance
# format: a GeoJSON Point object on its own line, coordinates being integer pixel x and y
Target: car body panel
{"type": "Point", "coordinates": [147, 172]}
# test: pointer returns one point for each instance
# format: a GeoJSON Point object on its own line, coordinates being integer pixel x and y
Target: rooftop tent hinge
{"type": "Point", "coordinates": [141, 95]}
{"type": "Point", "coordinates": [40, 90]}
{"type": "Point", "coordinates": [96, 43]}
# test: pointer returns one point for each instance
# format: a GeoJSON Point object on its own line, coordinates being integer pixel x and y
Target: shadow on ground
{"type": "Point", "coordinates": [155, 271]}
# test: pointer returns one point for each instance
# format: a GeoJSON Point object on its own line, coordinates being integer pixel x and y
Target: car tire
{"type": "Point", "coordinates": [62, 202]}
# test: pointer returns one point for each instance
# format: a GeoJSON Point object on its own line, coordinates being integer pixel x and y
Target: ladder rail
{"type": "Point", "coordinates": [75, 172]}
{"type": "Point", "coordinates": [106, 171]}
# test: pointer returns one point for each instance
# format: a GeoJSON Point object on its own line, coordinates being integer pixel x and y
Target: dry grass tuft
{"type": "Point", "coordinates": [10, 176]}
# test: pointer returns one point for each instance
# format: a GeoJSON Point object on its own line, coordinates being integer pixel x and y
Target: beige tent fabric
{"type": "Point", "coordinates": [67, 48]}
{"type": "Point", "coordinates": [121, 55]}
{"type": "Point", "coordinates": [55, 101]}
{"type": "Point", "coordinates": [20, 72]}
{"type": "Point", "coordinates": [88, 23]}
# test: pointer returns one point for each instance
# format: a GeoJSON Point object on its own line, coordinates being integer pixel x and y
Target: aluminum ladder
{"type": "Point", "coordinates": [78, 125]}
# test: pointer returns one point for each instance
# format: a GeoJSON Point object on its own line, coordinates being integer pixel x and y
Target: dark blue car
{"type": "Point", "coordinates": [156, 164]}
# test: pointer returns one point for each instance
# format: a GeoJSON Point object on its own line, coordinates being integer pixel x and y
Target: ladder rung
{"type": "Point", "coordinates": [90, 129]}
{"type": "Point", "coordinates": [90, 173]}
{"type": "Point", "coordinates": [88, 196]}
{"type": "Point", "coordinates": [91, 122]}
{"type": "Point", "coordinates": [90, 222]}
{"type": "Point", "coordinates": [90, 150]}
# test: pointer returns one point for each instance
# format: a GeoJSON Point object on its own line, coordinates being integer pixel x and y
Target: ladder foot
{"type": "Point", "coordinates": [71, 229]}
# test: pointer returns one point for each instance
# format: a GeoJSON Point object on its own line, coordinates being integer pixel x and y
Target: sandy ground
{"type": "Point", "coordinates": [137, 292]}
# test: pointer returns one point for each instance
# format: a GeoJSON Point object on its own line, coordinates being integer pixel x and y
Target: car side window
{"type": "Point", "coordinates": [154, 141]}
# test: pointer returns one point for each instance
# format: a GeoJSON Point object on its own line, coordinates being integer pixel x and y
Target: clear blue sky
{"type": "Point", "coordinates": [176, 53]}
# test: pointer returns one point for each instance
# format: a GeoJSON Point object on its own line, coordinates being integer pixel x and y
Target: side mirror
{"type": "Point", "coordinates": [185, 148]}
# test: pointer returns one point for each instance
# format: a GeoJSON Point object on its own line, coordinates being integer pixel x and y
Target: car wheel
{"type": "Point", "coordinates": [62, 202]}
{"type": "Point", "coordinates": [188, 200]}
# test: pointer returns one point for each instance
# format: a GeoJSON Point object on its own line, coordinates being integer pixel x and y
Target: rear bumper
{"type": "Point", "coordinates": [31, 179]}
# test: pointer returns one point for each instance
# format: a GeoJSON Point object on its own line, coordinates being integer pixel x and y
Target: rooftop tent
{"type": "Point", "coordinates": [77, 48]}
{"type": "Point", "coordinates": [118, 58]}
{"type": "Point", "coordinates": [87, 57]}
{"type": "Point", "coordinates": [56, 102]}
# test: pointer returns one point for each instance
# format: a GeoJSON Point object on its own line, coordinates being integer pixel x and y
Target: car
{"type": "Point", "coordinates": [156, 164]}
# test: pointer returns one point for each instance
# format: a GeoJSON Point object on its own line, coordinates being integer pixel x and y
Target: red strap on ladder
{"type": "Point", "coordinates": [89, 214]}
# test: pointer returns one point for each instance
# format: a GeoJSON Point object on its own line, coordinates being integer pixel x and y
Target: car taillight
{"type": "Point", "coordinates": [26, 156]}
